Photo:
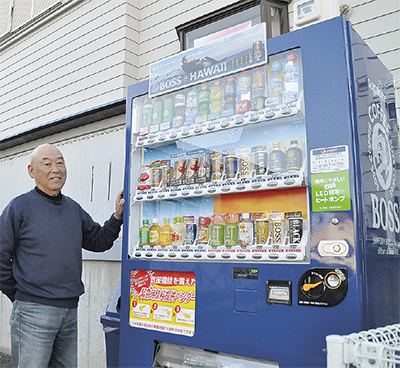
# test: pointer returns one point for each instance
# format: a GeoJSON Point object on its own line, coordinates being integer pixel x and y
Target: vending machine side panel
{"type": "Point", "coordinates": [377, 140]}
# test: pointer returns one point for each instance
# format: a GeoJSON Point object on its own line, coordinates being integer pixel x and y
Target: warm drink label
{"type": "Point", "coordinates": [278, 231]}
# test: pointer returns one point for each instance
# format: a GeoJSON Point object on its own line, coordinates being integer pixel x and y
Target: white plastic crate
{"type": "Point", "coordinates": [376, 348]}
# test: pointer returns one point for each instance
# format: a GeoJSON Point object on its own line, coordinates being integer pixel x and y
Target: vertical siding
{"type": "Point", "coordinates": [378, 23]}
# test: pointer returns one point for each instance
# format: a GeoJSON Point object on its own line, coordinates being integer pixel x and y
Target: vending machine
{"type": "Point", "coordinates": [262, 214]}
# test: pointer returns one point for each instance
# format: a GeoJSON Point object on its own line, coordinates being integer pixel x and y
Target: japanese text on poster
{"type": "Point", "coordinates": [331, 191]}
{"type": "Point", "coordinates": [163, 301]}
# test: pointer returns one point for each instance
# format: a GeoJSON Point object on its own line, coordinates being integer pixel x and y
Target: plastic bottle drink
{"type": "Point", "coordinates": [230, 93]}
{"type": "Point", "coordinates": [169, 110]}
{"type": "Point", "coordinates": [155, 233]}
{"type": "Point", "coordinates": [203, 234]}
{"type": "Point", "coordinates": [179, 104]}
{"type": "Point", "coordinates": [275, 84]}
{"type": "Point", "coordinates": [217, 230]}
{"type": "Point", "coordinates": [258, 88]}
{"type": "Point", "coordinates": [191, 110]}
{"type": "Point", "coordinates": [294, 156]}
{"type": "Point", "coordinates": [246, 231]}
{"type": "Point", "coordinates": [178, 232]}
{"type": "Point", "coordinates": [166, 234]}
{"type": "Point", "coordinates": [216, 96]}
{"type": "Point", "coordinates": [291, 78]}
{"type": "Point", "coordinates": [157, 111]}
{"type": "Point", "coordinates": [277, 159]}
{"type": "Point", "coordinates": [204, 99]}
{"type": "Point", "coordinates": [144, 234]}
{"type": "Point", "coordinates": [231, 231]}
{"type": "Point", "coordinates": [147, 113]}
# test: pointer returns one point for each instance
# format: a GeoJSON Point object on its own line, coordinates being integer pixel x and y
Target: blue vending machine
{"type": "Point", "coordinates": [263, 212]}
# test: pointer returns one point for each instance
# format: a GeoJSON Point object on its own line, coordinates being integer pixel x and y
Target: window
{"type": "Point", "coordinates": [18, 15]}
{"type": "Point", "coordinates": [245, 13]}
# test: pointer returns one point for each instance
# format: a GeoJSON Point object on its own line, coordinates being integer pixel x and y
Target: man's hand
{"type": "Point", "coordinates": [119, 205]}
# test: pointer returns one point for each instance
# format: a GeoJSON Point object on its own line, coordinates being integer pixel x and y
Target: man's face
{"type": "Point", "coordinates": [48, 169]}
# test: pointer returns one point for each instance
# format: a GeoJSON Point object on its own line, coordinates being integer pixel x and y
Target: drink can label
{"type": "Point", "coordinates": [190, 171]}
{"type": "Point", "coordinates": [246, 165]}
{"type": "Point", "coordinates": [178, 173]}
{"type": "Point", "coordinates": [231, 166]}
{"type": "Point", "coordinates": [217, 165]}
{"type": "Point", "coordinates": [261, 162]}
{"type": "Point", "coordinates": [295, 230]}
{"type": "Point", "coordinates": [166, 172]}
{"type": "Point", "coordinates": [262, 231]}
{"type": "Point", "coordinates": [217, 235]}
{"type": "Point", "coordinates": [278, 231]}
{"type": "Point", "coordinates": [204, 170]}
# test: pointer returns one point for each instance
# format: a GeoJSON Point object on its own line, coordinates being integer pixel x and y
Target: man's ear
{"type": "Point", "coordinates": [30, 171]}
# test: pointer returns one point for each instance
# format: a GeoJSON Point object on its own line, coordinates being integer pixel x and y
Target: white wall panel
{"type": "Point", "coordinates": [50, 73]}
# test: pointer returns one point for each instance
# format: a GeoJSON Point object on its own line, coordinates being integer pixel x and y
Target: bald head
{"type": "Point", "coordinates": [48, 169]}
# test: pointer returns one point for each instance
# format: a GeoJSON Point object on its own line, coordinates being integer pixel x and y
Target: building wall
{"type": "Point", "coordinates": [85, 58]}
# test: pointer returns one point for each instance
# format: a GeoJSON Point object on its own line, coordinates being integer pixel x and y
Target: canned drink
{"type": "Point", "coordinates": [295, 230]}
{"type": "Point", "coordinates": [190, 171]}
{"type": "Point", "coordinates": [262, 231]}
{"type": "Point", "coordinates": [204, 171]}
{"type": "Point", "coordinates": [217, 165]}
{"type": "Point", "coordinates": [191, 229]}
{"type": "Point", "coordinates": [144, 178]}
{"type": "Point", "coordinates": [231, 166]}
{"type": "Point", "coordinates": [246, 162]}
{"type": "Point", "coordinates": [166, 170]}
{"type": "Point", "coordinates": [178, 172]}
{"type": "Point", "coordinates": [278, 230]}
{"type": "Point", "coordinates": [260, 159]}
{"type": "Point", "coordinates": [156, 174]}
{"type": "Point", "coordinates": [257, 50]}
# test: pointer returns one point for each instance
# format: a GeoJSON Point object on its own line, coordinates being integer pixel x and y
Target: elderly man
{"type": "Point", "coordinates": [42, 233]}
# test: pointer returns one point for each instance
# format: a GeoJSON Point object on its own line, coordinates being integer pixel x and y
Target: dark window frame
{"type": "Point", "coordinates": [265, 13]}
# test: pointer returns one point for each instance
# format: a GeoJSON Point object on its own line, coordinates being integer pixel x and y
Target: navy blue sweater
{"type": "Point", "coordinates": [41, 241]}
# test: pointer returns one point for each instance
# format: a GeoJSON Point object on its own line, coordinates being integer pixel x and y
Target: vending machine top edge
{"type": "Point", "coordinates": [263, 185]}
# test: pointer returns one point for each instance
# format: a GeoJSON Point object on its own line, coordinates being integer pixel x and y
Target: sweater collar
{"type": "Point", "coordinates": [56, 199]}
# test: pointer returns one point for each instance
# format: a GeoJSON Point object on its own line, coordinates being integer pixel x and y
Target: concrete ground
{"type": "Point", "coordinates": [5, 360]}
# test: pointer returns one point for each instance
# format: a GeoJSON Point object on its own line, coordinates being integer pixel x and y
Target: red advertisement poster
{"type": "Point", "coordinates": [163, 301]}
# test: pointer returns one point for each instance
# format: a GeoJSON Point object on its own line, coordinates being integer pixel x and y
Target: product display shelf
{"type": "Point", "coordinates": [254, 253]}
{"type": "Point", "coordinates": [265, 182]}
{"type": "Point", "coordinates": [233, 121]}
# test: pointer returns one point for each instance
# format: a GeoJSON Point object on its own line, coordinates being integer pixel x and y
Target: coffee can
{"type": "Point", "coordinates": [191, 170]}
{"type": "Point", "coordinates": [204, 171]}
{"type": "Point", "coordinates": [246, 164]}
{"type": "Point", "coordinates": [231, 166]}
{"type": "Point", "coordinates": [166, 170]}
{"type": "Point", "coordinates": [262, 231]}
{"type": "Point", "coordinates": [178, 172]}
{"type": "Point", "coordinates": [260, 159]}
{"type": "Point", "coordinates": [217, 165]}
{"type": "Point", "coordinates": [295, 230]}
{"type": "Point", "coordinates": [278, 230]}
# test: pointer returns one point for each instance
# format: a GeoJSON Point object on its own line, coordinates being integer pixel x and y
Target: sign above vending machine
{"type": "Point", "coordinates": [229, 54]}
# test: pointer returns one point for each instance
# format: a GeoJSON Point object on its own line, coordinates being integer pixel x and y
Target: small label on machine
{"type": "Point", "coordinates": [329, 159]}
{"type": "Point", "coordinates": [245, 273]}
